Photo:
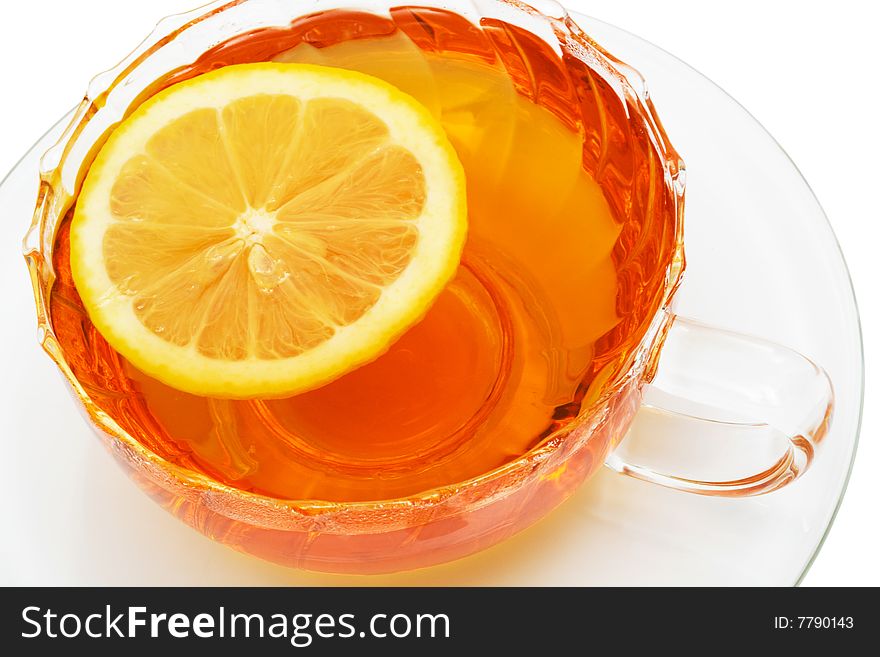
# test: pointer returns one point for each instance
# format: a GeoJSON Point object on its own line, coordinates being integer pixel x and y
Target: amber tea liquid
{"type": "Point", "coordinates": [507, 353]}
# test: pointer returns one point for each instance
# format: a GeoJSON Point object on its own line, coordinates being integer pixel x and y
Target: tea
{"type": "Point", "coordinates": [535, 321]}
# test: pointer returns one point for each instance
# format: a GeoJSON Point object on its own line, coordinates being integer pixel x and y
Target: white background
{"type": "Point", "coordinates": [807, 70]}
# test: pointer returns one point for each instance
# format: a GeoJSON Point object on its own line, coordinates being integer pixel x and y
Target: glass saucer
{"type": "Point", "coordinates": [762, 259]}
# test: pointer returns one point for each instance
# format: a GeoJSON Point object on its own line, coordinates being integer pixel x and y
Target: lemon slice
{"type": "Point", "coordinates": [262, 229]}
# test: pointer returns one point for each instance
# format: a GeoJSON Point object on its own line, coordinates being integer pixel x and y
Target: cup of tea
{"type": "Point", "coordinates": [553, 341]}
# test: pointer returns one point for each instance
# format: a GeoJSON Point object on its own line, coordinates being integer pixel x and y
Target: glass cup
{"type": "Point", "coordinates": [704, 410]}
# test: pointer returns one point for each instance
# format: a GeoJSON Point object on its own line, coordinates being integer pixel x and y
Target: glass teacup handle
{"type": "Point", "coordinates": [726, 414]}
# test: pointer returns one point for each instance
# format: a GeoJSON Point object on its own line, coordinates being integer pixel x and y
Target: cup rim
{"type": "Point", "coordinates": [282, 512]}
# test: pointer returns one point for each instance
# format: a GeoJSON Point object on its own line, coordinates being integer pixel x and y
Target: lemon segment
{"type": "Point", "coordinates": [262, 229]}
